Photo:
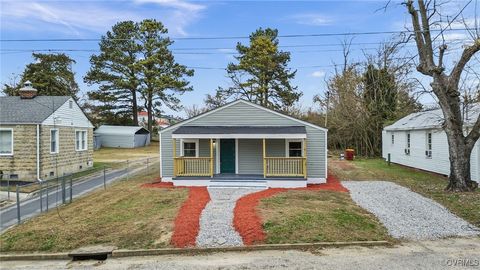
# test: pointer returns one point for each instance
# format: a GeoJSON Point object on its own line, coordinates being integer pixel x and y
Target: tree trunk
{"type": "Point", "coordinates": [459, 178]}
{"type": "Point", "coordinates": [134, 107]}
{"type": "Point", "coordinates": [149, 112]}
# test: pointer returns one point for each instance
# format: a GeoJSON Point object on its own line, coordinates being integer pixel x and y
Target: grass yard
{"type": "Point", "coordinates": [124, 215]}
{"type": "Point", "coordinates": [112, 155]}
{"type": "Point", "coordinates": [465, 205]}
{"type": "Point", "coordinates": [300, 216]}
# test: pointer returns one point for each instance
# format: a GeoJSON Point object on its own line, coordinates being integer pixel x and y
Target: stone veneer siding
{"type": "Point", "coordinates": [68, 160]}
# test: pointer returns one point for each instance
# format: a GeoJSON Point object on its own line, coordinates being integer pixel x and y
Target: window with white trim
{"type": "Point", "coordinates": [6, 142]}
{"type": "Point", "coordinates": [428, 146]}
{"type": "Point", "coordinates": [80, 140]}
{"type": "Point", "coordinates": [54, 141]}
{"type": "Point", "coordinates": [407, 146]}
{"type": "Point", "coordinates": [295, 148]}
{"type": "Point", "coordinates": [190, 148]}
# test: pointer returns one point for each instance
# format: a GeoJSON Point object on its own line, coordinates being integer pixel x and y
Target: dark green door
{"type": "Point", "coordinates": [227, 156]}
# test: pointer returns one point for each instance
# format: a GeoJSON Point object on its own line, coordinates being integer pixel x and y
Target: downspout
{"type": "Point", "coordinates": [38, 154]}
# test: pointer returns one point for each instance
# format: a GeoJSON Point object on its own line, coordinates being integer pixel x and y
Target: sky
{"type": "Point", "coordinates": [312, 57]}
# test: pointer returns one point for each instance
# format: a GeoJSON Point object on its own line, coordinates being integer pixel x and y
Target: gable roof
{"type": "Point", "coordinates": [431, 119]}
{"type": "Point", "coordinates": [15, 110]}
{"type": "Point", "coordinates": [236, 102]}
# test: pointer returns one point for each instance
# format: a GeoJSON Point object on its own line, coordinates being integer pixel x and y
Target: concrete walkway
{"type": "Point", "coordinates": [216, 221]}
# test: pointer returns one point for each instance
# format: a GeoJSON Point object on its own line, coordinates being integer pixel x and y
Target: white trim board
{"type": "Point", "coordinates": [245, 102]}
{"type": "Point", "coordinates": [236, 156]}
{"type": "Point", "coordinates": [239, 136]}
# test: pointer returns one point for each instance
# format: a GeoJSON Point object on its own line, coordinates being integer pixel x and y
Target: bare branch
{"type": "Point", "coordinates": [467, 54]}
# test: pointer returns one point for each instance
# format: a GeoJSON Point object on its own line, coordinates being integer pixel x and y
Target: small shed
{"type": "Point", "coordinates": [123, 136]}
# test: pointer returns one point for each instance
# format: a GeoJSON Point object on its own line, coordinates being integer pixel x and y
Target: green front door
{"type": "Point", "coordinates": [227, 156]}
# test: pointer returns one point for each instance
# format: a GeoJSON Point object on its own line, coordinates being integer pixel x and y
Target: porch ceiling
{"type": "Point", "coordinates": [247, 132]}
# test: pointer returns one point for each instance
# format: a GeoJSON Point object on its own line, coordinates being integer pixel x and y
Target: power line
{"type": "Point", "coordinates": [237, 37]}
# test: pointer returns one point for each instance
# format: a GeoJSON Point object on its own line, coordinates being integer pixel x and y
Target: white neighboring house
{"type": "Point", "coordinates": [418, 141]}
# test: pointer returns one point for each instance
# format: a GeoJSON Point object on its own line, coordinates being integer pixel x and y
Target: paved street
{"type": "Point", "coordinates": [439, 254]}
{"type": "Point", "coordinates": [31, 206]}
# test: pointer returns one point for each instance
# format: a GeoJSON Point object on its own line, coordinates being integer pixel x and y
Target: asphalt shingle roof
{"type": "Point", "coordinates": [14, 110]}
{"type": "Point", "coordinates": [432, 119]}
{"type": "Point", "coordinates": [240, 130]}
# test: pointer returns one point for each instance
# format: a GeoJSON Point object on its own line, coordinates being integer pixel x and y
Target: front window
{"type": "Point", "coordinates": [295, 149]}
{"type": "Point", "coordinates": [428, 152]}
{"type": "Point", "coordinates": [407, 149]}
{"type": "Point", "coordinates": [189, 149]}
{"type": "Point", "coordinates": [6, 142]}
{"type": "Point", "coordinates": [54, 141]}
{"type": "Point", "coordinates": [81, 140]}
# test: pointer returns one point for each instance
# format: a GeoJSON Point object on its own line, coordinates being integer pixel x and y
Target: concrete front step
{"type": "Point", "coordinates": [254, 184]}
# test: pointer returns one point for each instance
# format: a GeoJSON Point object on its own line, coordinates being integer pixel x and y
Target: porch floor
{"type": "Point", "coordinates": [232, 176]}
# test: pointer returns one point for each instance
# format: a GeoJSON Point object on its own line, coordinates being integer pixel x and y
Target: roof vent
{"type": "Point", "coordinates": [27, 91]}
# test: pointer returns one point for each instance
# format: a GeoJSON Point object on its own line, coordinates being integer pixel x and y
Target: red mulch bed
{"type": "Point", "coordinates": [246, 220]}
{"type": "Point", "coordinates": [187, 222]}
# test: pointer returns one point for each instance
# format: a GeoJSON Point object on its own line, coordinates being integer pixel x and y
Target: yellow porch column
{"type": "Point", "coordinates": [305, 158]}
{"type": "Point", "coordinates": [264, 160]}
{"type": "Point", "coordinates": [174, 146]}
{"type": "Point", "coordinates": [211, 158]}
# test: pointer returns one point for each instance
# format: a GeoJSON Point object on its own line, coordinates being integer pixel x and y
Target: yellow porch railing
{"type": "Point", "coordinates": [285, 166]}
{"type": "Point", "coordinates": [192, 166]}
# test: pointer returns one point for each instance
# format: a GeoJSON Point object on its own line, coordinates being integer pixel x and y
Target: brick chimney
{"type": "Point", "coordinates": [27, 91]}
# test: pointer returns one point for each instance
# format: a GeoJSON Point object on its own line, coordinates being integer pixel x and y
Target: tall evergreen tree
{"type": "Point", "coordinates": [135, 64]}
{"type": "Point", "coordinates": [161, 77]}
{"type": "Point", "coordinates": [262, 74]}
{"type": "Point", "coordinates": [115, 73]}
{"type": "Point", "coordinates": [50, 74]}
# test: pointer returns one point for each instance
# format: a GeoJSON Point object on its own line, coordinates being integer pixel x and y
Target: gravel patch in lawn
{"type": "Point", "coordinates": [406, 214]}
{"type": "Point", "coordinates": [216, 221]}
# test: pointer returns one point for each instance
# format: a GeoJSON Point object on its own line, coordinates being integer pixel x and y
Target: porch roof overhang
{"type": "Point", "coordinates": [240, 132]}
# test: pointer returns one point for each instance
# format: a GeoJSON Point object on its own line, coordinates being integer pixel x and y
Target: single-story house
{"type": "Point", "coordinates": [122, 136]}
{"type": "Point", "coordinates": [242, 143]}
{"type": "Point", "coordinates": [43, 137]}
{"type": "Point", "coordinates": [418, 141]}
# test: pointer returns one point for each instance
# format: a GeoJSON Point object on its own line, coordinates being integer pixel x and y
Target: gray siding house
{"type": "Point", "coordinates": [242, 144]}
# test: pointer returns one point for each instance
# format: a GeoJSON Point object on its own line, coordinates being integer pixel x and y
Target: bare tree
{"type": "Point", "coordinates": [445, 86]}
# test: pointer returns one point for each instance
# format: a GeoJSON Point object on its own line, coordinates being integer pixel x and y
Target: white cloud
{"type": "Point", "coordinates": [76, 18]}
{"type": "Point", "coordinates": [313, 19]}
{"type": "Point", "coordinates": [175, 4]}
{"type": "Point", "coordinates": [318, 74]}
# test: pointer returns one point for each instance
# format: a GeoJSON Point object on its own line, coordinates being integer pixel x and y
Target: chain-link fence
{"type": "Point", "coordinates": [31, 198]}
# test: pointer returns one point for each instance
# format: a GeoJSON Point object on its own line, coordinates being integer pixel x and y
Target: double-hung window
{"type": "Point", "coordinates": [428, 145]}
{"type": "Point", "coordinates": [407, 146]}
{"type": "Point", "coordinates": [54, 141]}
{"type": "Point", "coordinates": [294, 148]}
{"type": "Point", "coordinates": [190, 148]}
{"type": "Point", "coordinates": [80, 140]}
{"type": "Point", "coordinates": [6, 141]}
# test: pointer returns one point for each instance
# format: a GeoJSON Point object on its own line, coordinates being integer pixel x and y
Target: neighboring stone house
{"type": "Point", "coordinates": [42, 137]}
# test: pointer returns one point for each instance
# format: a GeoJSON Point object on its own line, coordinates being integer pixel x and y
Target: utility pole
{"type": "Point", "coordinates": [326, 110]}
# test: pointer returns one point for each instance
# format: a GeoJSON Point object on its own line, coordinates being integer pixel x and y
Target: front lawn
{"type": "Point", "coordinates": [302, 216]}
{"type": "Point", "coordinates": [112, 155]}
{"type": "Point", "coordinates": [465, 205]}
{"type": "Point", "coordinates": [125, 215]}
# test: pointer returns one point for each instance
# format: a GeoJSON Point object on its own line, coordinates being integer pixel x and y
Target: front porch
{"type": "Point", "coordinates": [239, 154]}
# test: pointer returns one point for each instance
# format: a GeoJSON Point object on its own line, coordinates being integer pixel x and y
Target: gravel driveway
{"type": "Point", "coordinates": [216, 221]}
{"type": "Point", "coordinates": [406, 214]}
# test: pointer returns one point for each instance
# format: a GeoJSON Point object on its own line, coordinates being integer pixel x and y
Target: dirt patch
{"type": "Point", "coordinates": [343, 165]}
{"type": "Point", "coordinates": [248, 223]}
{"type": "Point", "coordinates": [187, 222]}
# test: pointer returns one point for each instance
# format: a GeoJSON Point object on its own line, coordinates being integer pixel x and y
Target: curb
{"type": "Point", "coordinates": [175, 251]}
{"type": "Point", "coordinates": [34, 257]}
